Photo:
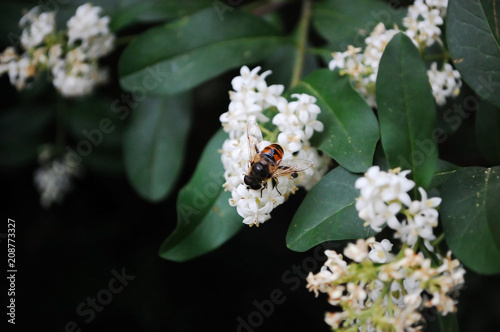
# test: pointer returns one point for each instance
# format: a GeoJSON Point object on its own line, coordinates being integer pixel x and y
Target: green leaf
{"type": "Point", "coordinates": [472, 35]}
{"type": "Point", "coordinates": [328, 212]}
{"type": "Point", "coordinates": [91, 119]}
{"type": "Point", "coordinates": [448, 323]}
{"type": "Point", "coordinates": [155, 143]}
{"type": "Point", "coordinates": [344, 23]}
{"type": "Point", "coordinates": [97, 130]}
{"type": "Point", "coordinates": [351, 129]}
{"type": "Point", "coordinates": [488, 131]}
{"type": "Point", "coordinates": [471, 217]}
{"type": "Point", "coordinates": [153, 10]}
{"type": "Point", "coordinates": [205, 220]}
{"type": "Point", "coordinates": [444, 170]}
{"type": "Point", "coordinates": [182, 54]}
{"type": "Point", "coordinates": [407, 110]}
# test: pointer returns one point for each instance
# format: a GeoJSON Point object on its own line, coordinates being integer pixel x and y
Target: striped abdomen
{"type": "Point", "coordinates": [272, 154]}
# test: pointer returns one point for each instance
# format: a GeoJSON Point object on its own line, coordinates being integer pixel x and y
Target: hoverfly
{"type": "Point", "coordinates": [268, 163]}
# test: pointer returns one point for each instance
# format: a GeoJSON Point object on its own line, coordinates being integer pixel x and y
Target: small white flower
{"type": "Point", "coordinates": [74, 79]}
{"type": "Point", "coordinates": [359, 251]}
{"type": "Point", "coordinates": [249, 80]}
{"type": "Point", "coordinates": [321, 163]}
{"type": "Point", "coordinates": [255, 206]}
{"type": "Point", "coordinates": [21, 71]}
{"type": "Point", "coordinates": [437, 3]}
{"type": "Point", "coordinates": [421, 221]}
{"type": "Point", "coordinates": [444, 83]}
{"type": "Point", "coordinates": [412, 285]}
{"type": "Point", "coordinates": [87, 24]}
{"type": "Point", "coordinates": [291, 141]}
{"type": "Point", "coordinates": [375, 46]}
{"type": "Point", "coordinates": [100, 46]}
{"type": "Point", "coordinates": [422, 24]}
{"type": "Point", "coordinates": [335, 318]}
{"type": "Point", "coordinates": [318, 282]}
{"type": "Point", "coordinates": [8, 55]}
{"type": "Point", "coordinates": [250, 97]}
{"type": "Point", "coordinates": [382, 196]}
{"type": "Point", "coordinates": [36, 27]}
{"type": "Point", "coordinates": [380, 252]}
{"type": "Point", "coordinates": [54, 180]}
{"type": "Point", "coordinates": [339, 58]}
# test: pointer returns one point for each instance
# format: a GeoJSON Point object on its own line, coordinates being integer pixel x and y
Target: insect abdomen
{"type": "Point", "coordinates": [273, 153]}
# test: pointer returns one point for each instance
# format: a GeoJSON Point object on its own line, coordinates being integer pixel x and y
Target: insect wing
{"type": "Point", "coordinates": [254, 136]}
{"type": "Point", "coordinates": [291, 166]}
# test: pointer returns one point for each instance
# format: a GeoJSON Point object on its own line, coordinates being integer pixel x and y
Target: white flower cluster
{"type": "Point", "coordinates": [36, 26]}
{"type": "Point", "coordinates": [444, 83]}
{"type": "Point", "coordinates": [72, 59]}
{"type": "Point", "coordinates": [423, 21]}
{"type": "Point", "coordinates": [362, 68]}
{"type": "Point", "coordinates": [384, 198]}
{"type": "Point", "coordinates": [54, 178]}
{"type": "Point", "coordinates": [380, 292]}
{"type": "Point", "coordinates": [422, 25]}
{"type": "Point", "coordinates": [295, 124]}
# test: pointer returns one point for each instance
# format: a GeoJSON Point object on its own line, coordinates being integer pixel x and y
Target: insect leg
{"type": "Point", "coordinates": [275, 184]}
{"type": "Point", "coordinates": [264, 186]}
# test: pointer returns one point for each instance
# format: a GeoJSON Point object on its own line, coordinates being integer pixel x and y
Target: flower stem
{"type": "Point", "coordinates": [319, 51]}
{"type": "Point", "coordinates": [271, 136]}
{"type": "Point", "coordinates": [302, 34]}
{"type": "Point", "coordinates": [437, 241]}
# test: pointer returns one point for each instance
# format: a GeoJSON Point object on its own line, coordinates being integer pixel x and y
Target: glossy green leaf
{"type": "Point", "coordinates": [344, 23]}
{"type": "Point", "coordinates": [473, 34]}
{"type": "Point", "coordinates": [407, 110]}
{"type": "Point", "coordinates": [471, 217]}
{"type": "Point", "coordinates": [444, 170]}
{"type": "Point", "coordinates": [155, 143]}
{"type": "Point", "coordinates": [193, 49]}
{"type": "Point", "coordinates": [488, 131]}
{"type": "Point", "coordinates": [327, 213]}
{"type": "Point", "coordinates": [351, 129]}
{"type": "Point", "coordinates": [205, 220]}
{"type": "Point", "coordinates": [97, 131]}
{"type": "Point", "coordinates": [93, 120]}
{"type": "Point", "coordinates": [154, 10]}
